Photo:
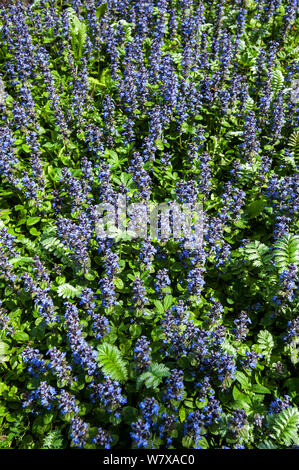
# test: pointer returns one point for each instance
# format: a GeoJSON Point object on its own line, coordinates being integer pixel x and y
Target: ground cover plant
{"type": "Point", "coordinates": [146, 342]}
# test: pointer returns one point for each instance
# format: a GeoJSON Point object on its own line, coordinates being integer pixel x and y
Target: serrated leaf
{"type": "Point", "coordinates": [256, 252]}
{"type": "Point", "coordinates": [294, 143]}
{"type": "Point", "coordinates": [277, 81]}
{"type": "Point", "coordinates": [110, 360]}
{"type": "Point", "coordinates": [266, 445]}
{"type": "Point", "coordinates": [67, 291]}
{"type": "Point", "coordinates": [265, 342]}
{"type": "Point", "coordinates": [285, 426]}
{"type": "Point", "coordinates": [21, 260]}
{"type": "Point", "coordinates": [153, 376]}
{"type": "Point", "coordinates": [286, 251]}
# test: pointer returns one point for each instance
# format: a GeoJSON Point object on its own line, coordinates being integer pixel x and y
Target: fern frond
{"type": "Point", "coordinates": [228, 347]}
{"type": "Point", "coordinates": [287, 251]}
{"type": "Point", "coordinates": [285, 426]}
{"type": "Point", "coordinates": [153, 376]}
{"type": "Point", "coordinates": [21, 260]}
{"type": "Point", "coordinates": [277, 81]}
{"type": "Point", "coordinates": [53, 440]}
{"type": "Point", "coordinates": [112, 363]}
{"type": "Point", "coordinates": [55, 246]}
{"type": "Point", "coordinates": [266, 445]}
{"type": "Point", "coordinates": [265, 343]}
{"type": "Point", "coordinates": [294, 143]}
{"type": "Point", "coordinates": [67, 291]}
{"type": "Point", "coordinates": [29, 244]}
{"type": "Point", "coordinates": [159, 370]}
{"type": "Point", "coordinates": [257, 253]}
{"type": "Point", "coordinates": [146, 378]}
{"type": "Point", "coordinates": [249, 104]}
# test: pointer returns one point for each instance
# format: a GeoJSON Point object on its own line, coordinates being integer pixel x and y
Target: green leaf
{"type": "Point", "coordinates": [48, 418]}
{"type": "Point", "coordinates": [78, 33]}
{"type": "Point", "coordinates": [257, 253]}
{"type": "Point", "coordinates": [135, 330]}
{"type": "Point", "coordinates": [294, 143]}
{"type": "Point", "coordinates": [110, 359]}
{"type": "Point", "coordinates": [257, 388]}
{"type": "Point", "coordinates": [153, 377]}
{"type": "Point", "coordinates": [168, 301]}
{"type": "Point", "coordinates": [242, 379]}
{"type": "Point", "coordinates": [119, 284]}
{"type": "Point", "coordinates": [266, 445]}
{"type": "Point", "coordinates": [203, 443]}
{"type": "Point", "coordinates": [32, 221]}
{"type": "Point", "coordinates": [159, 306]}
{"type": "Point", "coordinates": [159, 144]}
{"type": "Point", "coordinates": [34, 232]}
{"type": "Point", "coordinates": [228, 347]}
{"type": "Point", "coordinates": [4, 348]}
{"type": "Point", "coordinates": [21, 336]}
{"type": "Point", "coordinates": [189, 403]}
{"type": "Point", "coordinates": [93, 81]}
{"type": "Point", "coordinates": [182, 414]}
{"type": "Point", "coordinates": [38, 426]}
{"type": "Point", "coordinates": [100, 11]}
{"type": "Point", "coordinates": [187, 442]}
{"type": "Point", "coordinates": [294, 352]}
{"type": "Point", "coordinates": [256, 208]}
{"type": "Point", "coordinates": [238, 395]}
{"type": "Point", "coordinates": [265, 343]}
{"type": "Point", "coordinates": [26, 148]}
{"type": "Point", "coordinates": [67, 291]}
{"type": "Point", "coordinates": [53, 440]}
{"type": "Point", "coordinates": [287, 251]}
{"type": "Point", "coordinates": [21, 260]}
{"type": "Point", "coordinates": [285, 426]}
{"type": "Point", "coordinates": [55, 246]}
{"type": "Point", "coordinates": [277, 81]}
{"type": "Point", "coordinates": [186, 128]}
{"type": "Point", "coordinates": [91, 275]}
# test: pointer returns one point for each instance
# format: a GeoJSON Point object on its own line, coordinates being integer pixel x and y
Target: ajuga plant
{"type": "Point", "coordinates": [130, 332]}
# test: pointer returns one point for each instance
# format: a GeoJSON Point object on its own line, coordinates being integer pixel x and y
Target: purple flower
{"type": "Point", "coordinates": [102, 439]}
{"type": "Point", "coordinates": [140, 433]}
{"type": "Point", "coordinates": [78, 432]}
{"type": "Point", "coordinates": [142, 353]}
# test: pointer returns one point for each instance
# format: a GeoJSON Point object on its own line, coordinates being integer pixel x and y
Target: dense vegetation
{"type": "Point", "coordinates": [141, 342]}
